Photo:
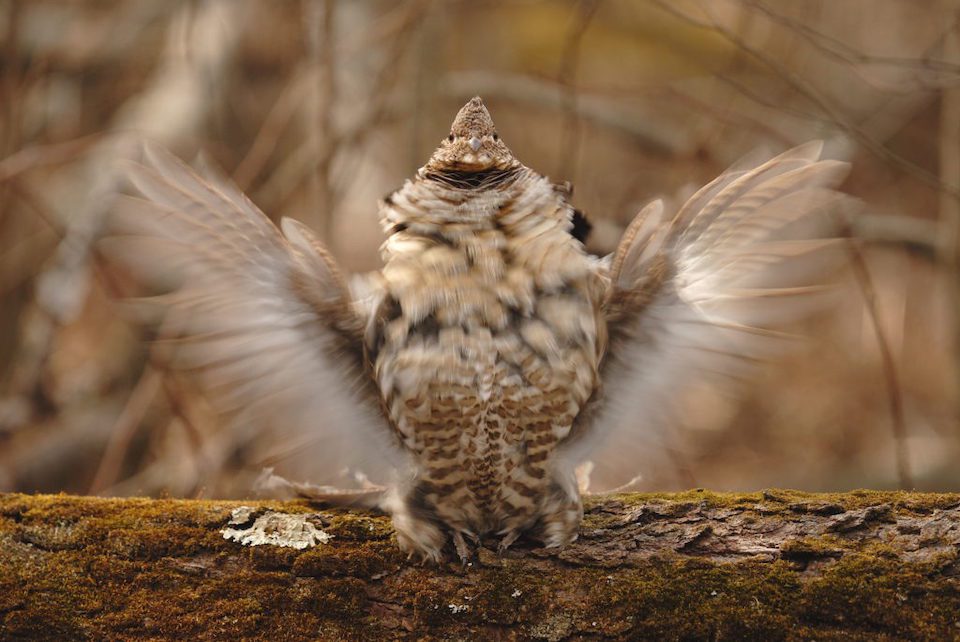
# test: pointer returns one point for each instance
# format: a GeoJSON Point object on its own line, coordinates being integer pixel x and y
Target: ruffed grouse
{"type": "Point", "coordinates": [494, 355]}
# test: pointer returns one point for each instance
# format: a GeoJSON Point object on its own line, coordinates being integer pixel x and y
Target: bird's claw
{"type": "Point", "coordinates": [505, 543]}
{"type": "Point", "coordinates": [463, 549]}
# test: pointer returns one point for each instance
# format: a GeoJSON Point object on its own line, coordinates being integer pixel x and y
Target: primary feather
{"type": "Point", "coordinates": [264, 323]}
{"type": "Point", "coordinates": [696, 300]}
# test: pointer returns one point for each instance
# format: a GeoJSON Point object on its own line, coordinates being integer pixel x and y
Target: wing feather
{"type": "Point", "coordinates": [263, 322]}
{"type": "Point", "coordinates": [699, 302]}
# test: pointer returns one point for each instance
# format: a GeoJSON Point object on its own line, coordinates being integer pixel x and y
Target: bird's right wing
{"type": "Point", "coordinates": [696, 301]}
{"type": "Point", "coordinates": [262, 322]}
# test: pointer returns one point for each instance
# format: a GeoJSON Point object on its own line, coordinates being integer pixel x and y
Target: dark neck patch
{"type": "Point", "coordinates": [486, 179]}
{"type": "Point", "coordinates": [581, 226]}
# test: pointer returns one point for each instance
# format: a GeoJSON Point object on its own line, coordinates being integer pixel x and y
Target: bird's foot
{"type": "Point", "coordinates": [463, 549]}
{"type": "Point", "coordinates": [505, 543]}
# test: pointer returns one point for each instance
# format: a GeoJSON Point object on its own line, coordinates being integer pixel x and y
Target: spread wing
{"type": "Point", "coordinates": [695, 304]}
{"type": "Point", "coordinates": [263, 322]}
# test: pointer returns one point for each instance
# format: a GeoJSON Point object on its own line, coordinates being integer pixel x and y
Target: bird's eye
{"type": "Point", "coordinates": [450, 138]}
{"type": "Point", "coordinates": [496, 136]}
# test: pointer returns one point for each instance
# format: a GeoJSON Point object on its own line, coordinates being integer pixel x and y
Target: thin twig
{"type": "Point", "coordinates": [731, 118]}
{"type": "Point", "coordinates": [891, 377]}
{"type": "Point", "coordinates": [567, 78]}
{"type": "Point", "coordinates": [840, 50]}
{"type": "Point", "coordinates": [917, 235]}
{"type": "Point", "coordinates": [19, 263]}
{"type": "Point", "coordinates": [292, 96]}
{"type": "Point", "coordinates": [178, 90]}
{"type": "Point", "coordinates": [36, 156]}
{"type": "Point", "coordinates": [274, 124]}
{"type": "Point", "coordinates": [124, 429]}
{"type": "Point", "coordinates": [10, 96]}
{"type": "Point", "coordinates": [321, 24]}
{"type": "Point", "coordinates": [949, 218]}
{"type": "Point", "coordinates": [388, 76]}
{"type": "Point", "coordinates": [378, 112]}
{"type": "Point", "coordinates": [805, 89]}
{"type": "Point", "coordinates": [155, 363]}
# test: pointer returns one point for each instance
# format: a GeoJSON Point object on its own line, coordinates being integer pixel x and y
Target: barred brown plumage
{"type": "Point", "coordinates": [480, 373]}
{"type": "Point", "coordinates": [493, 338]}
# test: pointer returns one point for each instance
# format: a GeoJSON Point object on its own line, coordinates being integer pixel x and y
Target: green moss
{"type": "Point", "coordinates": [355, 526]}
{"type": "Point", "coordinates": [777, 499]}
{"type": "Point", "coordinates": [367, 560]}
{"type": "Point", "coordinates": [94, 568]}
{"type": "Point", "coordinates": [807, 549]}
{"type": "Point", "coordinates": [874, 593]}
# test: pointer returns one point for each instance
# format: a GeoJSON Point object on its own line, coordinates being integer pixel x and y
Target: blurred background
{"type": "Point", "coordinates": [316, 108]}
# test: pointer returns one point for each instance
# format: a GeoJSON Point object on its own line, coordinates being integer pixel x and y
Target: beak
{"type": "Point", "coordinates": [475, 143]}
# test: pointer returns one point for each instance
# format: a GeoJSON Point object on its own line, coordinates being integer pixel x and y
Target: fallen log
{"type": "Point", "coordinates": [694, 565]}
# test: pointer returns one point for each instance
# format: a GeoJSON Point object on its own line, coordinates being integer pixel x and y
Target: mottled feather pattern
{"type": "Point", "coordinates": [490, 343]}
{"type": "Point", "coordinates": [462, 386]}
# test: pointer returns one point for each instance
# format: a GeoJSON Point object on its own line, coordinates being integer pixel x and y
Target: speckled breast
{"type": "Point", "coordinates": [488, 343]}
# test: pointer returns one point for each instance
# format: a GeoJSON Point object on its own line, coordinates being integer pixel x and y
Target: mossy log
{"type": "Point", "coordinates": [696, 565]}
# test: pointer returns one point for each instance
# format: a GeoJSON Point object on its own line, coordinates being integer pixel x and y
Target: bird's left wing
{"type": "Point", "coordinates": [263, 322]}
{"type": "Point", "coordinates": [696, 301]}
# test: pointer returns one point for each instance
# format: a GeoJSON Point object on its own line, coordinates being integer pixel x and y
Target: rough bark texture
{"type": "Point", "coordinates": [696, 565]}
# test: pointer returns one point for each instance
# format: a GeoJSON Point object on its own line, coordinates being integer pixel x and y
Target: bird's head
{"type": "Point", "coordinates": [473, 144]}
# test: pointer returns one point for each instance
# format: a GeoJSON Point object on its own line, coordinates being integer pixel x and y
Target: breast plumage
{"type": "Point", "coordinates": [488, 337]}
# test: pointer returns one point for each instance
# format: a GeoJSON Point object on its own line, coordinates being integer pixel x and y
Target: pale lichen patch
{"type": "Point", "coordinates": [274, 529]}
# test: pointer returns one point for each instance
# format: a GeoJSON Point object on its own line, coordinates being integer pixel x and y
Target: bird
{"type": "Point", "coordinates": [492, 364]}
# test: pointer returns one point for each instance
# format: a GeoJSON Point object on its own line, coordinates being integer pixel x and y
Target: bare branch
{"type": "Point", "coordinates": [173, 105]}
{"type": "Point", "coordinates": [567, 78]}
{"type": "Point", "coordinates": [321, 17]}
{"type": "Point", "coordinates": [37, 156]}
{"type": "Point", "coordinates": [125, 428]}
{"type": "Point", "coordinates": [279, 116]}
{"type": "Point", "coordinates": [843, 52]}
{"type": "Point", "coordinates": [917, 235]}
{"type": "Point", "coordinates": [805, 89]}
{"type": "Point", "coordinates": [894, 396]}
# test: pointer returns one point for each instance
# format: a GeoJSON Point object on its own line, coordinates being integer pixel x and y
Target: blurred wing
{"type": "Point", "coordinates": [263, 322]}
{"type": "Point", "coordinates": [695, 301]}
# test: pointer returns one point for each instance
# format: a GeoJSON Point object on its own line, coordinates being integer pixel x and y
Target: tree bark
{"type": "Point", "coordinates": [694, 565]}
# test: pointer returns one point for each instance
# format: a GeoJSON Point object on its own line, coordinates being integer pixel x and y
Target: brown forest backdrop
{"type": "Point", "coordinates": [317, 107]}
